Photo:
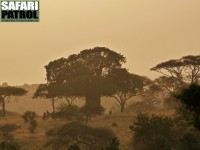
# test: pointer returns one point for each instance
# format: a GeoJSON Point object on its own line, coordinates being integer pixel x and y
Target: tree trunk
{"type": "Point", "coordinates": [69, 101]}
{"type": "Point", "coordinates": [122, 105]}
{"type": "Point", "coordinates": [3, 108]}
{"type": "Point", "coordinates": [53, 104]}
{"type": "Point", "coordinates": [92, 106]}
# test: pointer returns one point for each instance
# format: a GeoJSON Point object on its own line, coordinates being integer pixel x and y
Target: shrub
{"type": "Point", "coordinates": [44, 116]}
{"type": "Point", "coordinates": [7, 130]}
{"type": "Point", "coordinates": [28, 116]}
{"type": "Point", "coordinates": [9, 146]}
{"type": "Point", "coordinates": [170, 102]}
{"type": "Point", "coordinates": [33, 125]}
{"type": "Point", "coordinates": [7, 137]}
{"type": "Point", "coordinates": [189, 98]}
{"type": "Point", "coordinates": [74, 147]}
{"type": "Point", "coordinates": [81, 134]}
{"type": "Point", "coordinates": [142, 106]}
{"type": "Point", "coordinates": [114, 124]}
{"type": "Point", "coordinates": [152, 132]}
{"type": "Point", "coordinates": [189, 141]}
{"type": "Point", "coordinates": [114, 145]}
{"type": "Point", "coordinates": [90, 111]}
{"type": "Point", "coordinates": [68, 112]}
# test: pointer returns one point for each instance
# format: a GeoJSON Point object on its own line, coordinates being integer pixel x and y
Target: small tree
{"type": "Point", "coordinates": [9, 91]}
{"type": "Point", "coordinates": [152, 132]}
{"type": "Point", "coordinates": [48, 92]}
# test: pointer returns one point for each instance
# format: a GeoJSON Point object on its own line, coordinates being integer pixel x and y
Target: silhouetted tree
{"type": "Point", "coordinates": [9, 91]}
{"type": "Point", "coordinates": [167, 83]}
{"type": "Point", "coordinates": [184, 70]}
{"type": "Point", "coordinates": [189, 97]}
{"type": "Point", "coordinates": [127, 85]}
{"type": "Point", "coordinates": [48, 91]}
{"type": "Point", "coordinates": [152, 132]}
{"type": "Point", "coordinates": [87, 73]}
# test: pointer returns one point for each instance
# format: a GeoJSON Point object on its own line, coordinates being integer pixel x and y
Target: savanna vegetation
{"type": "Point", "coordinates": [145, 114]}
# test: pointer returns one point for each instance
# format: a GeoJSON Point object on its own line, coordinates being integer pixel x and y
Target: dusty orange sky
{"type": "Point", "coordinates": [147, 32]}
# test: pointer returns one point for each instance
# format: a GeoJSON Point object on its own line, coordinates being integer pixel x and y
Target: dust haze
{"type": "Point", "coordinates": [102, 75]}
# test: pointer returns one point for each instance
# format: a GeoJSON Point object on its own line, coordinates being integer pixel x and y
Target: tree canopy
{"type": "Point", "coordinates": [87, 73]}
{"type": "Point", "coordinates": [127, 85]}
{"type": "Point", "coordinates": [184, 70]}
{"type": "Point", "coordinates": [189, 97]}
{"type": "Point", "coordinates": [9, 91]}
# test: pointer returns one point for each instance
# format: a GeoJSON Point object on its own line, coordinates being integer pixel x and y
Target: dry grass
{"type": "Point", "coordinates": [37, 140]}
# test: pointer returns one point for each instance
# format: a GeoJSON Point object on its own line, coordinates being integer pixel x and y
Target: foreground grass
{"type": "Point", "coordinates": [37, 140]}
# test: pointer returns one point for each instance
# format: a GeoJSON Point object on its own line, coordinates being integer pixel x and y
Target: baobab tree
{"type": "Point", "coordinates": [87, 71]}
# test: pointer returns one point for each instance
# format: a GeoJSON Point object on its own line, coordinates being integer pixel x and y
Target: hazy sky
{"type": "Point", "coordinates": [147, 32]}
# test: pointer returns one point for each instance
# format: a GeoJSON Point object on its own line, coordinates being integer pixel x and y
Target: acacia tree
{"type": "Point", "coordinates": [9, 91]}
{"type": "Point", "coordinates": [67, 91]}
{"type": "Point", "coordinates": [48, 92]}
{"type": "Point", "coordinates": [55, 91]}
{"type": "Point", "coordinates": [87, 71]}
{"type": "Point", "coordinates": [168, 83]}
{"type": "Point", "coordinates": [183, 70]}
{"type": "Point", "coordinates": [127, 85]}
